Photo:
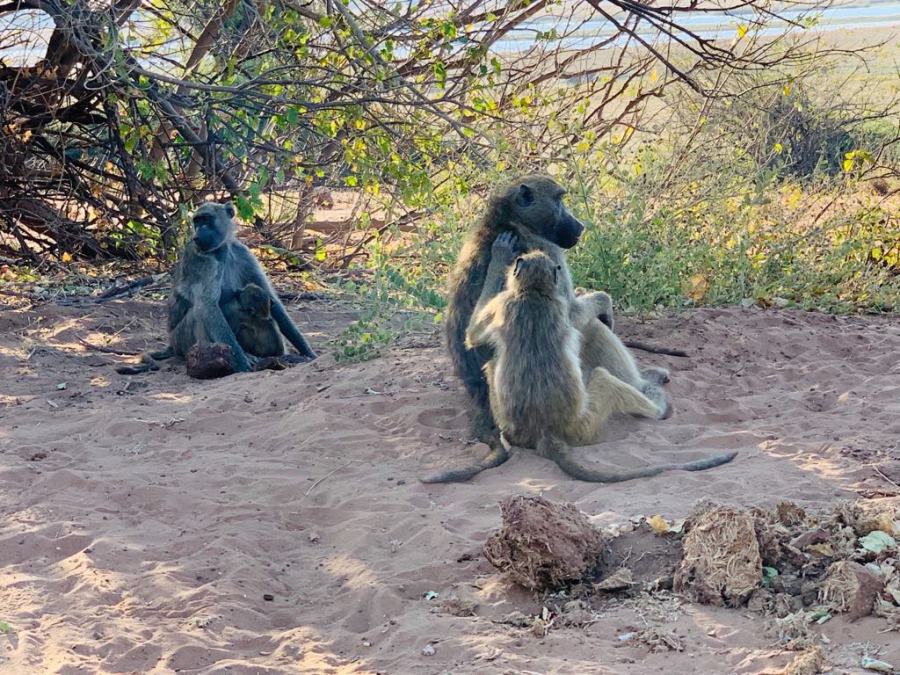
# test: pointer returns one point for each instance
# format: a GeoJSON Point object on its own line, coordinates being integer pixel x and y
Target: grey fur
{"type": "Point", "coordinates": [538, 393]}
{"type": "Point", "coordinates": [250, 316]}
{"type": "Point", "coordinates": [214, 269]}
{"type": "Point", "coordinates": [531, 209]}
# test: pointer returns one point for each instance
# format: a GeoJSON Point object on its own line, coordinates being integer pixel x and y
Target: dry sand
{"type": "Point", "coordinates": [273, 523]}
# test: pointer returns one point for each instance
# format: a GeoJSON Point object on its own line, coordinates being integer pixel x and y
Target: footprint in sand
{"type": "Point", "coordinates": [443, 418]}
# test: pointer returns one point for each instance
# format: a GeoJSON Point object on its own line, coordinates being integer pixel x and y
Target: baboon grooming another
{"type": "Point", "coordinates": [219, 290]}
{"type": "Point", "coordinates": [537, 392]}
{"type": "Point", "coordinates": [532, 209]}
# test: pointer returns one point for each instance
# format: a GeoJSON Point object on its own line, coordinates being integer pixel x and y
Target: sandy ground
{"type": "Point", "coordinates": [273, 523]}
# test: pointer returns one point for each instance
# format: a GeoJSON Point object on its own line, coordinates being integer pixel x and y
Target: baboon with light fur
{"type": "Point", "coordinates": [531, 208]}
{"type": "Point", "coordinates": [538, 394]}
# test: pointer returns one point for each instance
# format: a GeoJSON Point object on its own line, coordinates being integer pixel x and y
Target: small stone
{"type": "Point", "coordinates": [619, 580]}
{"type": "Point", "coordinates": [268, 597]}
{"type": "Point", "coordinates": [428, 650]}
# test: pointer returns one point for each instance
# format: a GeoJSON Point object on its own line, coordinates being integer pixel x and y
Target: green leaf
{"type": "Point", "coordinates": [877, 542]}
{"type": "Point", "coordinates": [244, 207]}
{"type": "Point", "coordinates": [5, 627]}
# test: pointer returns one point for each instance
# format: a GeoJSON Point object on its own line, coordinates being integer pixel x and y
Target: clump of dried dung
{"type": "Point", "coordinates": [810, 662]}
{"type": "Point", "coordinates": [206, 362]}
{"type": "Point", "coordinates": [543, 545]}
{"type": "Point", "coordinates": [867, 516]}
{"type": "Point", "coordinates": [850, 588]}
{"type": "Point", "coordinates": [721, 563]}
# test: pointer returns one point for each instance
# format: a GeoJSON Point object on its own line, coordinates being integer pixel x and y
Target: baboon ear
{"type": "Point", "coordinates": [525, 196]}
{"type": "Point", "coordinates": [517, 267]}
{"type": "Point", "coordinates": [229, 209]}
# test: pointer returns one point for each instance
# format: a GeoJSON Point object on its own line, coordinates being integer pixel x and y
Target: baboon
{"type": "Point", "coordinates": [532, 209]}
{"type": "Point", "coordinates": [214, 269]}
{"type": "Point", "coordinates": [538, 394]}
{"type": "Point", "coordinates": [250, 316]}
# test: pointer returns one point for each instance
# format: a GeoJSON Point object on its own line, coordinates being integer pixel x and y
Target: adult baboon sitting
{"type": "Point", "coordinates": [538, 394]}
{"type": "Point", "coordinates": [532, 208]}
{"type": "Point", "coordinates": [205, 305]}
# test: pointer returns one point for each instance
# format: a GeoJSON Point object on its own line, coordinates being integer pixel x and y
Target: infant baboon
{"type": "Point", "coordinates": [532, 209]}
{"type": "Point", "coordinates": [213, 270]}
{"type": "Point", "coordinates": [538, 396]}
{"type": "Point", "coordinates": [250, 316]}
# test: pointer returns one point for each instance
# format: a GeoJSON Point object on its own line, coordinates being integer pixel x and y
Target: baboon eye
{"type": "Point", "coordinates": [526, 195]}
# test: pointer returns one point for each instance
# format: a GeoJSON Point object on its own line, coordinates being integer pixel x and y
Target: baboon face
{"type": "Point", "coordinates": [213, 226]}
{"type": "Point", "coordinates": [535, 271]}
{"type": "Point", "coordinates": [537, 203]}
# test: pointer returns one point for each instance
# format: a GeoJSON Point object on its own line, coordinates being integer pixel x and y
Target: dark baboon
{"type": "Point", "coordinates": [532, 209]}
{"type": "Point", "coordinates": [213, 270]}
{"type": "Point", "coordinates": [538, 394]}
{"type": "Point", "coordinates": [250, 316]}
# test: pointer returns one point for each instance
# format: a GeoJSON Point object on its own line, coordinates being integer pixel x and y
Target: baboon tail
{"type": "Point", "coordinates": [163, 354]}
{"type": "Point", "coordinates": [137, 369]}
{"type": "Point", "coordinates": [148, 362]}
{"type": "Point", "coordinates": [496, 457]}
{"type": "Point", "coordinates": [565, 461]}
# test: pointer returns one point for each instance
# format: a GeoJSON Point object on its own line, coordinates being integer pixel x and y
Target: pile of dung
{"type": "Point", "coordinates": [782, 561]}
{"type": "Point", "coordinates": [850, 588]}
{"type": "Point", "coordinates": [720, 563]}
{"type": "Point", "coordinates": [206, 362]}
{"type": "Point", "coordinates": [543, 545]}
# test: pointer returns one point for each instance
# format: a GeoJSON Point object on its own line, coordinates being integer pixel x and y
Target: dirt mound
{"type": "Point", "coordinates": [543, 545]}
{"type": "Point", "coordinates": [649, 559]}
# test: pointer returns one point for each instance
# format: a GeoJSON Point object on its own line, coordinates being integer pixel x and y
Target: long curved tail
{"type": "Point", "coordinates": [495, 457]}
{"type": "Point", "coordinates": [564, 459]}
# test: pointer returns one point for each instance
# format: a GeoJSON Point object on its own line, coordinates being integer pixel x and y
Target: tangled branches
{"type": "Point", "coordinates": [118, 117]}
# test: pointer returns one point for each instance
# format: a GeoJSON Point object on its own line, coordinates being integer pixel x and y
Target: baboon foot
{"type": "Point", "coordinates": [655, 375]}
{"type": "Point", "coordinates": [483, 429]}
{"type": "Point", "coordinates": [660, 399]}
{"type": "Point", "coordinates": [282, 362]}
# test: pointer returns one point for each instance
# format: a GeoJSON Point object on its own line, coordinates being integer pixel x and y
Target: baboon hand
{"type": "Point", "coordinates": [505, 248]}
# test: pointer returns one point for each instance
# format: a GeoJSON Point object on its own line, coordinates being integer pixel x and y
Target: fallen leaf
{"type": "Point", "coordinates": [877, 541]}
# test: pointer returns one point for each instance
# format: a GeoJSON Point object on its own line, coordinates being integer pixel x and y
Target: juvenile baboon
{"type": "Point", "coordinates": [213, 270]}
{"type": "Point", "coordinates": [538, 395]}
{"type": "Point", "coordinates": [250, 316]}
{"type": "Point", "coordinates": [531, 208]}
